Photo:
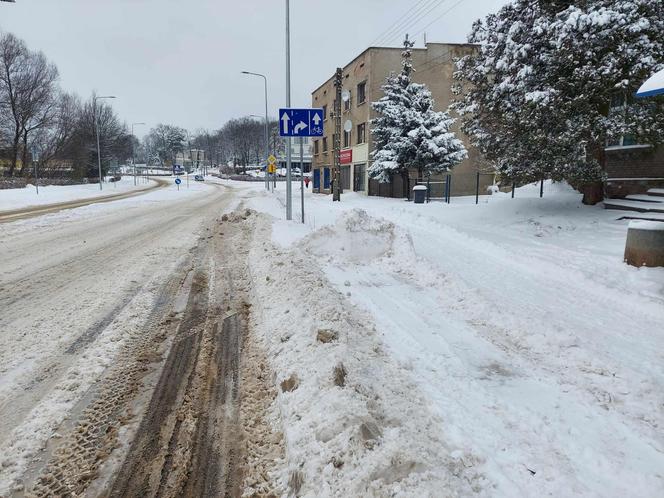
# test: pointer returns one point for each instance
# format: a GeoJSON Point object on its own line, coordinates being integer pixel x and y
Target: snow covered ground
{"type": "Point", "coordinates": [527, 352]}
{"type": "Point", "coordinates": [74, 286]}
{"type": "Point", "coordinates": [19, 198]}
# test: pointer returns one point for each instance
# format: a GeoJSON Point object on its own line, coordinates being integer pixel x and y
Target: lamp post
{"type": "Point", "coordinates": [96, 116]}
{"type": "Point", "coordinates": [267, 145]}
{"type": "Point", "coordinates": [133, 163]}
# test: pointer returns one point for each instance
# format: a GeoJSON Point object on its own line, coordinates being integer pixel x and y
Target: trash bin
{"type": "Point", "coordinates": [419, 193]}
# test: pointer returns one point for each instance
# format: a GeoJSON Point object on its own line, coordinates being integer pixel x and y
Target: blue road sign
{"type": "Point", "coordinates": [178, 181]}
{"type": "Point", "coordinates": [301, 122]}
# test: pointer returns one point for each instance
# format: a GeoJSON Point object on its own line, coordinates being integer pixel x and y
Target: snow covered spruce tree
{"type": "Point", "coordinates": [553, 83]}
{"type": "Point", "coordinates": [408, 132]}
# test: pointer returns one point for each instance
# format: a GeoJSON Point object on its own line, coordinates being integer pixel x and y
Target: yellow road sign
{"type": "Point", "coordinates": [271, 168]}
{"type": "Point", "coordinates": [271, 159]}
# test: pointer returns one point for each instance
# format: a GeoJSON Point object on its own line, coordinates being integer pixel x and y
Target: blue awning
{"type": "Point", "coordinates": [653, 86]}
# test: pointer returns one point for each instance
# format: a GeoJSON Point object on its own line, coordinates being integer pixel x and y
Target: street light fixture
{"type": "Point", "coordinates": [133, 163]}
{"type": "Point", "coordinates": [267, 145]}
{"type": "Point", "coordinates": [96, 116]}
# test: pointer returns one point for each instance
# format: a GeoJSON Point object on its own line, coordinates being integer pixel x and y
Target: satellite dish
{"type": "Point", "coordinates": [345, 95]}
{"type": "Point", "coordinates": [348, 125]}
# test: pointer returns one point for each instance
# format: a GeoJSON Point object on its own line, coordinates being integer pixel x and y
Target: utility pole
{"type": "Point", "coordinates": [289, 186]}
{"type": "Point", "coordinates": [133, 162]}
{"type": "Point", "coordinates": [336, 176]}
{"type": "Point", "coordinates": [96, 119]}
{"type": "Point", "coordinates": [267, 122]}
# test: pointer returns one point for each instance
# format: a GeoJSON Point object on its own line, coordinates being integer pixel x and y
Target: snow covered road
{"type": "Point", "coordinates": [72, 285]}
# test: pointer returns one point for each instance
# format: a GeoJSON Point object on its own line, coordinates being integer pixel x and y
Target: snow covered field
{"type": "Point", "coordinates": [19, 198]}
{"type": "Point", "coordinates": [527, 354]}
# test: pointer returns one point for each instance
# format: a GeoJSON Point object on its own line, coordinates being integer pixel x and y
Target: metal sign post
{"type": "Point", "coordinates": [35, 160]}
{"type": "Point", "coordinates": [299, 123]}
{"type": "Point", "coordinates": [302, 176]}
{"type": "Point", "coordinates": [289, 194]}
{"type": "Point", "coordinates": [271, 169]}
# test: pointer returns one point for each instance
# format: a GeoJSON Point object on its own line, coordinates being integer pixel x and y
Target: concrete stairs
{"type": "Point", "coordinates": [648, 206]}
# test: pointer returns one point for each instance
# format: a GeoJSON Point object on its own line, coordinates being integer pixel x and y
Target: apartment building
{"type": "Point", "coordinates": [363, 78]}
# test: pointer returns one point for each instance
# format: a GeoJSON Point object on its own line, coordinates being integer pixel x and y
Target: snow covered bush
{"type": "Point", "coordinates": [408, 132]}
{"type": "Point", "coordinates": [553, 83]}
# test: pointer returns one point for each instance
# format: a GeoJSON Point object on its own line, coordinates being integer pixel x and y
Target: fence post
{"type": "Point", "coordinates": [428, 189]}
{"type": "Point", "coordinates": [513, 188]}
{"type": "Point", "coordinates": [477, 189]}
{"type": "Point", "coordinates": [541, 188]}
{"type": "Point", "coordinates": [449, 188]}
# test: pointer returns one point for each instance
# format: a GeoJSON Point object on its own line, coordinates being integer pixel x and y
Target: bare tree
{"type": "Point", "coordinates": [55, 141]}
{"type": "Point", "coordinates": [27, 91]}
{"type": "Point", "coordinates": [39, 100]}
{"type": "Point", "coordinates": [165, 141]}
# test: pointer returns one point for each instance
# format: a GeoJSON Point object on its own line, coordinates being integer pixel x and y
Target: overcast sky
{"type": "Point", "coordinates": [179, 61]}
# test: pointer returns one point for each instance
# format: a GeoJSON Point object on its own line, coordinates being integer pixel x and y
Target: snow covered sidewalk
{"type": "Point", "coordinates": [538, 351]}
{"type": "Point", "coordinates": [21, 198]}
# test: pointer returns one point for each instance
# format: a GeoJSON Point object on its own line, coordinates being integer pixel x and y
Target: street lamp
{"type": "Point", "coordinates": [267, 145]}
{"type": "Point", "coordinates": [133, 163]}
{"type": "Point", "coordinates": [96, 116]}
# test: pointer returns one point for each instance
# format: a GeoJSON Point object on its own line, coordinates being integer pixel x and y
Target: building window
{"type": "Point", "coordinates": [316, 147]}
{"type": "Point", "coordinates": [324, 144]}
{"type": "Point", "coordinates": [324, 112]}
{"type": "Point", "coordinates": [347, 103]}
{"type": "Point", "coordinates": [361, 133]}
{"type": "Point", "coordinates": [361, 92]}
{"type": "Point", "coordinates": [347, 142]}
{"type": "Point", "coordinates": [619, 106]}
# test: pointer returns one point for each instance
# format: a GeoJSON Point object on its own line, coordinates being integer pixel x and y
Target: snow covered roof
{"type": "Point", "coordinates": [653, 86]}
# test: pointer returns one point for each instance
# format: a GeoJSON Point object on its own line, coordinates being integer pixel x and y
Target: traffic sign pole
{"type": "Point", "coordinates": [289, 187]}
{"type": "Point", "coordinates": [302, 176]}
{"type": "Point", "coordinates": [299, 123]}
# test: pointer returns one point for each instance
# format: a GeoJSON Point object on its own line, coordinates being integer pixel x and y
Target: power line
{"type": "Point", "coordinates": [398, 21]}
{"type": "Point", "coordinates": [416, 19]}
{"type": "Point", "coordinates": [439, 17]}
{"type": "Point", "coordinates": [397, 26]}
{"type": "Point", "coordinates": [428, 65]}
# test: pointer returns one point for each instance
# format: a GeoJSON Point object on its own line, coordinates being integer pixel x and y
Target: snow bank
{"type": "Point", "coordinates": [354, 422]}
{"type": "Point", "coordinates": [646, 225]}
{"type": "Point", "coordinates": [19, 198]}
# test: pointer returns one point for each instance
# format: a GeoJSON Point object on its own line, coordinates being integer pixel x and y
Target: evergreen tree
{"type": "Point", "coordinates": [537, 98]}
{"type": "Point", "coordinates": [409, 133]}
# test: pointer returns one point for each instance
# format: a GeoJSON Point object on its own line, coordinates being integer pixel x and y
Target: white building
{"type": "Point", "coordinates": [307, 149]}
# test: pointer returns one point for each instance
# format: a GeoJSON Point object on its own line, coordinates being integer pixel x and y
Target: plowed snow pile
{"type": "Point", "coordinates": [354, 422]}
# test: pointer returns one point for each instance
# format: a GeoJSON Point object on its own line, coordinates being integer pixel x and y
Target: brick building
{"type": "Point", "coordinates": [633, 169]}
{"type": "Point", "coordinates": [363, 78]}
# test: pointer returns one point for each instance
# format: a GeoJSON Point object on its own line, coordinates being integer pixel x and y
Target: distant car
{"type": "Point", "coordinates": [199, 178]}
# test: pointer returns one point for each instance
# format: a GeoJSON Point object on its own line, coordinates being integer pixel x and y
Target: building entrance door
{"type": "Point", "coordinates": [326, 178]}
{"type": "Point", "coordinates": [360, 177]}
{"type": "Point", "coordinates": [316, 185]}
{"type": "Point", "coordinates": [345, 178]}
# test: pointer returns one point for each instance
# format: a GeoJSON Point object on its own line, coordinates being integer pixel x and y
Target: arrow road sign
{"type": "Point", "coordinates": [301, 122]}
{"type": "Point", "coordinates": [178, 181]}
